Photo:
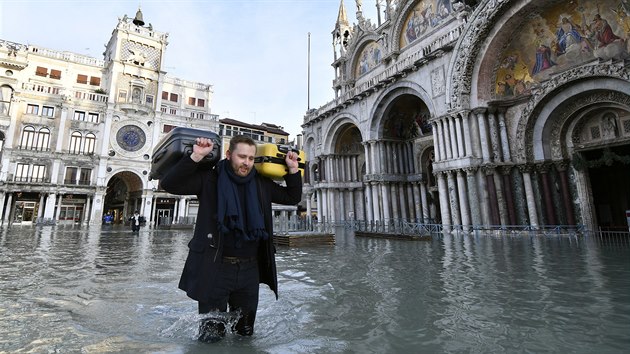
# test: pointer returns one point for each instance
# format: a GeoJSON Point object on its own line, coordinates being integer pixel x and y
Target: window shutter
{"type": "Point", "coordinates": [82, 79]}
{"type": "Point", "coordinates": [41, 71]}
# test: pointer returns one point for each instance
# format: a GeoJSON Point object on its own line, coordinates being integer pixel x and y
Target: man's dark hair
{"type": "Point", "coordinates": [241, 139]}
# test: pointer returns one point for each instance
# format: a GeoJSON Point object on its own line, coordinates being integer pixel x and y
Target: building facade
{"type": "Point", "coordinates": [491, 113]}
{"type": "Point", "coordinates": [77, 133]}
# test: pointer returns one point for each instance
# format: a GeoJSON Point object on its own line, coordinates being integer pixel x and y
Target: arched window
{"type": "Point", "coordinates": [90, 142]}
{"type": "Point", "coordinates": [28, 138]}
{"type": "Point", "coordinates": [6, 92]}
{"type": "Point", "coordinates": [75, 143]}
{"type": "Point", "coordinates": [43, 139]}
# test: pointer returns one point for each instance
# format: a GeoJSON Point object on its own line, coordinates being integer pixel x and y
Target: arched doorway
{"type": "Point", "coordinates": [404, 129]}
{"type": "Point", "coordinates": [123, 196]}
{"type": "Point", "coordinates": [602, 154]}
{"type": "Point", "coordinates": [348, 162]}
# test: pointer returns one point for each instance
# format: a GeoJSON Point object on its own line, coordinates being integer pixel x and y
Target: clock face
{"type": "Point", "coordinates": [131, 138]}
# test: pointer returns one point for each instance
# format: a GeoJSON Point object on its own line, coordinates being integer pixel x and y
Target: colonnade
{"type": "Point", "coordinates": [479, 184]}
{"type": "Point", "coordinates": [390, 189]}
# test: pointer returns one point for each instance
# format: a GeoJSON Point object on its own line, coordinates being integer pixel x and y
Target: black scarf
{"type": "Point", "coordinates": [229, 210]}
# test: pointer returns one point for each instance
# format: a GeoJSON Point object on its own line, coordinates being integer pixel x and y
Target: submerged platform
{"type": "Point", "coordinates": [304, 238]}
{"type": "Point", "coordinates": [392, 236]}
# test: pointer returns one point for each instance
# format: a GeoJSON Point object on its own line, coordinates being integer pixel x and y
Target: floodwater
{"type": "Point", "coordinates": [71, 290]}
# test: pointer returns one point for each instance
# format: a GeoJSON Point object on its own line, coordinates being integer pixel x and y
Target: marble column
{"type": "Point", "coordinates": [343, 215]}
{"type": "Point", "coordinates": [386, 209]}
{"type": "Point", "coordinates": [461, 151]}
{"type": "Point", "coordinates": [453, 136]}
{"type": "Point", "coordinates": [40, 207]}
{"type": "Point", "coordinates": [505, 144]}
{"type": "Point", "coordinates": [7, 213]}
{"type": "Point", "coordinates": [412, 202]}
{"type": "Point", "coordinates": [467, 135]}
{"type": "Point", "coordinates": [58, 210]}
{"type": "Point", "coordinates": [86, 209]}
{"type": "Point", "coordinates": [426, 215]}
{"type": "Point", "coordinates": [377, 203]}
{"type": "Point", "coordinates": [529, 194]}
{"type": "Point", "coordinates": [567, 199]}
{"type": "Point", "coordinates": [369, 208]}
{"type": "Point", "coordinates": [309, 208]}
{"type": "Point", "coordinates": [495, 219]}
{"type": "Point", "coordinates": [473, 193]}
{"type": "Point", "coordinates": [483, 135]}
{"type": "Point", "coordinates": [447, 138]}
{"type": "Point", "coordinates": [445, 207]}
{"type": "Point", "coordinates": [453, 198]}
{"type": "Point", "coordinates": [393, 192]}
{"type": "Point", "coordinates": [368, 162]}
{"type": "Point", "coordinates": [463, 199]}
{"type": "Point", "coordinates": [507, 192]}
{"type": "Point", "coordinates": [494, 137]}
{"type": "Point", "coordinates": [352, 204]}
{"type": "Point", "coordinates": [550, 212]}
{"type": "Point", "coordinates": [436, 141]}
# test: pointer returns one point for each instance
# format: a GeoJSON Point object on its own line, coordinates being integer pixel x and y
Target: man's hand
{"type": "Point", "coordinates": [292, 162]}
{"type": "Point", "coordinates": [202, 147]}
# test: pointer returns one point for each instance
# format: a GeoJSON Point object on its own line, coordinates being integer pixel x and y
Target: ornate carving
{"type": "Point", "coordinates": [481, 23]}
{"type": "Point", "coordinates": [524, 133]}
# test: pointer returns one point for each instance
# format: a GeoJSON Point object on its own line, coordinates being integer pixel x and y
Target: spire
{"type": "Point", "coordinates": [342, 18]}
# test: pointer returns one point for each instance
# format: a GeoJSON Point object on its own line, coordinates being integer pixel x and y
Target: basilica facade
{"type": "Point", "coordinates": [77, 133]}
{"type": "Point", "coordinates": [490, 113]}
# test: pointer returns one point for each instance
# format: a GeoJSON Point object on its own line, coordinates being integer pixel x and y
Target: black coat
{"type": "Point", "coordinates": [206, 246]}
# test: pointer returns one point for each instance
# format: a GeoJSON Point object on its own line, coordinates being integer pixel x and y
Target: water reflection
{"type": "Point", "coordinates": [100, 290]}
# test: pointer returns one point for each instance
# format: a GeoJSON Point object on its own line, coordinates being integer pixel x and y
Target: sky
{"type": "Point", "coordinates": [255, 53]}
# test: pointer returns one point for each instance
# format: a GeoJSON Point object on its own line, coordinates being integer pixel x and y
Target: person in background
{"type": "Point", "coordinates": [135, 222]}
{"type": "Point", "coordinates": [232, 249]}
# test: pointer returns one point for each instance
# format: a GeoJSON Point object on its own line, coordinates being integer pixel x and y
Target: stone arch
{"type": "Point", "coordinates": [443, 16]}
{"type": "Point", "coordinates": [486, 18]}
{"type": "Point", "coordinates": [387, 99]}
{"type": "Point", "coordinates": [546, 117]}
{"type": "Point", "coordinates": [367, 41]}
{"type": "Point", "coordinates": [122, 187]}
{"type": "Point", "coordinates": [329, 141]}
{"type": "Point", "coordinates": [313, 166]}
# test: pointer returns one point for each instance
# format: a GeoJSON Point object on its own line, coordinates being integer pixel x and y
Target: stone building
{"type": "Point", "coordinates": [77, 132]}
{"type": "Point", "coordinates": [476, 113]}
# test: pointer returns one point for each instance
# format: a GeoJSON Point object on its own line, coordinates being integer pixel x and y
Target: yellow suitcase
{"type": "Point", "coordinates": [269, 160]}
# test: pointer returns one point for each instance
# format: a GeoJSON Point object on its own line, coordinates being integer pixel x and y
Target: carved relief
{"type": "Point", "coordinates": [438, 86]}
{"type": "Point", "coordinates": [524, 149]}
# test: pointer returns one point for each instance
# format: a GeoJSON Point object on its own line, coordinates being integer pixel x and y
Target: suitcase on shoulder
{"type": "Point", "coordinates": [179, 142]}
{"type": "Point", "coordinates": [269, 160]}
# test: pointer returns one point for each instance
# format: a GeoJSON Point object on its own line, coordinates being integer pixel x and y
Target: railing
{"type": "Point", "coordinates": [430, 227]}
{"type": "Point", "coordinates": [53, 90]}
{"type": "Point", "coordinates": [91, 96]}
{"type": "Point", "coordinates": [67, 56]}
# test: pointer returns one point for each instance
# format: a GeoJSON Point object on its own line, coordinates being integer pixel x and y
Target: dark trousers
{"type": "Point", "coordinates": [135, 227]}
{"type": "Point", "coordinates": [237, 286]}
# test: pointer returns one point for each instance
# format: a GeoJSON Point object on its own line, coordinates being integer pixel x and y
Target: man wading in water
{"type": "Point", "coordinates": [232, 249]}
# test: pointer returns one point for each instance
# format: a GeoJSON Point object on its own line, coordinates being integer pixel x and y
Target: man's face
{"type": "Point", "coordinates": [242, 159]}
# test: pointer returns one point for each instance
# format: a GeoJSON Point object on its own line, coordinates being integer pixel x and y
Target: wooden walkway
{"type": "Point", "coordinates": [303, 238]}
{"type": "Point", "coordinates": [392, 236]}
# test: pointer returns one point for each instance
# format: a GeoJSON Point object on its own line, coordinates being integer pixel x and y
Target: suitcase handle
{"type": "Point", "coordinates": [286, 148]}
{"type": "Point", "coordinates": [159, 155]}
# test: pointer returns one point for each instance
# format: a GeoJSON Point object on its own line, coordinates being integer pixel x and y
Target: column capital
{"type": "Point", "coordinates": [480, 110]}
{"type": "Point", "coordinates": [488, 169]}
{"type": "Point", "coordinates": [471, 169]}
{"type": "Point", "coordinates": [561, 165]}
{"type": "Point", "coordinates": [525, 168]}
{"type": "Point", "coordinates": [544, 167]}
{"type": "Point", "coordinates": [506, 169]}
